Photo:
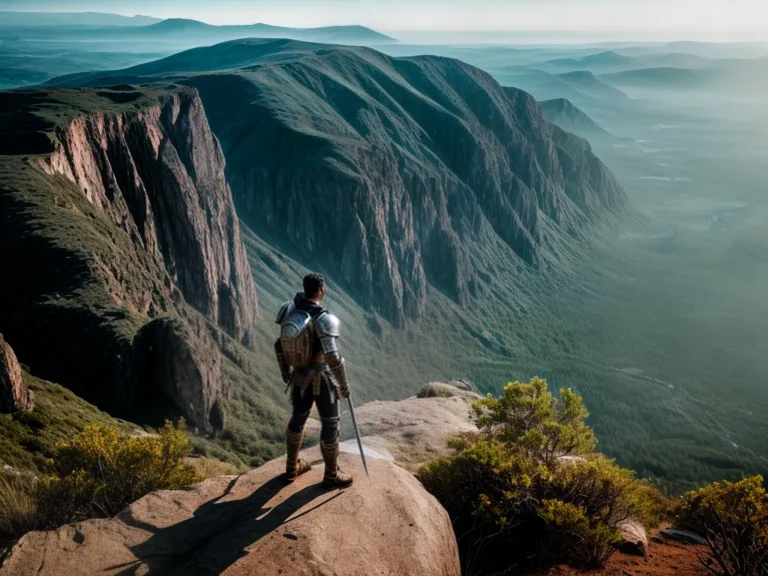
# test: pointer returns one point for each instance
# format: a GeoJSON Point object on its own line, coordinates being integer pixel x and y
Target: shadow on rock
{"type": "Point", "coordinates": [220, 532]}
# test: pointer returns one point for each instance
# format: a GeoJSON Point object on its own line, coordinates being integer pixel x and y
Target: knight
{"type": "Point", "coordinates": [312, 367]}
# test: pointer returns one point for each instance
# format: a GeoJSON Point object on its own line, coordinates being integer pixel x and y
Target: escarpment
{"type": "Point", "coordinates": [392, 174]}
{"type": "Point", "coordinates": [120, 214]}
{"type": "Point", "coordinates": [158, 174]}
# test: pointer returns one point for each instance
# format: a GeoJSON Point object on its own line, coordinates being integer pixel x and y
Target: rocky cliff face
{"type": "Point", "coordinates": [14, 396]}
{"type": "Point", "coordinates": [121, 216]}
{"type": "Point", "coordinates": [158, 174]}
{"type": "Point", "coordinates": [391, 174]}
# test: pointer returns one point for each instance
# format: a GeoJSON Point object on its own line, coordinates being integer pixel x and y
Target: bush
{"type": "Point", "coordinates": [733, 517]}
{"type": "Point", "coordinates": [514, 499]}
{"type": "Point", "coordinates": [101, 471]}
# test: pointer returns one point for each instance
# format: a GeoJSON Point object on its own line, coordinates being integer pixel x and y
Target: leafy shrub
{"type": "Point", "coordinates": [528, 490]}
{"type": "Point", "coordinates": [101, 471]}
{"type": "Point", "coordinates": [733, 517]}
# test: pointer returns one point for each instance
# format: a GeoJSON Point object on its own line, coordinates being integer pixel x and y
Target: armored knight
{"type": "Point", "coordinates": [312, 367]}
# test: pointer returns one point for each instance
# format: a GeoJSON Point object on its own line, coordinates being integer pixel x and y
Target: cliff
{"type": "Point", "coordinates": [116, 211]}
{"type": "Point", "coordinates": [14, 394]}
{"type": "Point", "coordinates": [392, 174]}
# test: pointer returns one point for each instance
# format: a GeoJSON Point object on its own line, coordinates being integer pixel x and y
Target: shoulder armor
{"type": "Point", "coordinates": [327, 325]}
{"type": "Point", "coordinates": [284, 312]}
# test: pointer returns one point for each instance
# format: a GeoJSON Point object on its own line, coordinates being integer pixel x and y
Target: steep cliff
{"type": "Point", "coordinates": [116, 211]}
{"type": "Point", "coordinates": [14, 395]}
{"type": "Point", "coordinates": [390, 173]}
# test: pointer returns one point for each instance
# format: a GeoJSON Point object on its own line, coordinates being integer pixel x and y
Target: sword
{"type": "Point", "coordinates": [357, 434]}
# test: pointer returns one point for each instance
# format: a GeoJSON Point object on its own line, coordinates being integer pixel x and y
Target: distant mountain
{"type": "Point", "coordinates": [662, 78]}
{"type": "Point", "coordinates": [571, 119]}
{"type": "Point", "coordinates": [188, 33]}
{"type": "Point", "coordinates": [607, 62]}
{"type": "Point", "coordinates": [590, 85]}
{"type": "Point", "coordinates": [398, 174]}
{"type": "Point", "coordinates": [608, 58]}
{"type": "Point", "coordinates": [37, 19]}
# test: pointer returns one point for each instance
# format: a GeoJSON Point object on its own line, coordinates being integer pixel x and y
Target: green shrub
{"type": "Point", "coordinates": [733, 517]}
{"type": "Point", "coordinates": [513, 499]}
{"type": "Point", "coordinates": [101, 471]}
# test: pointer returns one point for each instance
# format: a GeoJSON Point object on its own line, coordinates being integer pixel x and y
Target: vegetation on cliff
{"type": "Point", "coordinates": [528, 488]}
{"type": "Point", "coordinates": [95, 475]}
{"type": "Point", "coordinates": [733, 518]}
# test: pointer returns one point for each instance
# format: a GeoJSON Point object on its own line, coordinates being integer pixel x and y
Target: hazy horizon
{"type": "Point", "coordinates": [595, 20]}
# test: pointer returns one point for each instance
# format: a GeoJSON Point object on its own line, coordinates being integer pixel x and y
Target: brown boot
{"type": "Point", "coordinates": [294, 466]}
{"type": "Point", "coordinates": [333, 477]}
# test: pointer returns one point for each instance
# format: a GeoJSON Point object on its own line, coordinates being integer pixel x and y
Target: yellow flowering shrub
{"type": "Point", "coordinates": [513, 499]}
{"type": "Point", "coordinates": [101, 471]}
{"type": "Point", "coordinates": [733, 517]}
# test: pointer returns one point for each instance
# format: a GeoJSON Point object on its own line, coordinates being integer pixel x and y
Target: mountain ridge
{"type": "Point", "coordinates": [386, 131]}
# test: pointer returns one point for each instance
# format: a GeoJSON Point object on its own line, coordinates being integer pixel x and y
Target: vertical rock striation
{"type": "Point", "coordinates": [158, 173]}
{"type": "Point", "coordinates": [123, 222]}
{"type": "Point", "coordinates": [14, 395]}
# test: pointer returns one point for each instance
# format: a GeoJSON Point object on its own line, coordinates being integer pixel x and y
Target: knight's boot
{"type": "Point", "coordinates": [333, 477]}
{"type": "Point", "coordinates": [294, 466]}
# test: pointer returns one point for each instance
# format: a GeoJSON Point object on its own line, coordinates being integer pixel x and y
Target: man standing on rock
{"type": "Point", "coordinates": [311, 365]}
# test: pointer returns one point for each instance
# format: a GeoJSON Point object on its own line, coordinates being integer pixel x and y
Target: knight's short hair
{"type": "Point", "coordinates": [313, 284]}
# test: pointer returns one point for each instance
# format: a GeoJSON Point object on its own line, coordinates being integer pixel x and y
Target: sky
{"type": "Point", "coordinates": [736, 19]}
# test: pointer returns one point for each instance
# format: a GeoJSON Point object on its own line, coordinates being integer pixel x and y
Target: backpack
{"type": "Point", "coordinates": [297, 336]}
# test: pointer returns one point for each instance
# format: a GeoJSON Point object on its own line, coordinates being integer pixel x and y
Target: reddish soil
{"type": "Point", "coordinates": [664, 559]}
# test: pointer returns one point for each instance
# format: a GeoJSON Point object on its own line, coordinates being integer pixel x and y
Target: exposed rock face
{"type": "Point", "coordinates": [391, 173]}
{"type": "Point", "coordinates": [14, 396]}
{"type": "Point", "coordinates": [185, 366]}
{"type": "Point", "coordinates": [254, 524]}
{"type": "Point", "coordinates": [158, 174]}
{"type": "Point", "coordinates": [121, 217]}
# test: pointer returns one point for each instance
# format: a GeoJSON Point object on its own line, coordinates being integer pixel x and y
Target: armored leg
{"type": "Point", "coordinates": [294, 435]}
{"type": "Point", "coordinates": [329, 439]}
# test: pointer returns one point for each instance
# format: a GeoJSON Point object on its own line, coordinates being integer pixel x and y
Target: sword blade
{"type": "Point", "coordinates": [357, 435]}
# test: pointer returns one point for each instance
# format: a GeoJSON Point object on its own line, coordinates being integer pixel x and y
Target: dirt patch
{"type": "Point", "coordinates": [664, 559]}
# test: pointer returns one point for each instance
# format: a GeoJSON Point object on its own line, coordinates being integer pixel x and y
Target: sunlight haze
{"type": "Point", "coordinates": [739, 20]}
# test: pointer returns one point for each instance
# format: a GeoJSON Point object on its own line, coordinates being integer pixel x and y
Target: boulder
{"type": "Point", "coordinates": [414, 430]}
{"type": "Point", "coordinates": [255, 524]}
{"type": "Point", "coordinates": [634, 538]}
{"type": "Point", "coordinates": [14, 395]}
{"type": "Point", "coordinates": [454, 388]}
{"type": "Point", "coordinates": [171, 359]}
{"type": "Point", "coordinates": [682, 536]}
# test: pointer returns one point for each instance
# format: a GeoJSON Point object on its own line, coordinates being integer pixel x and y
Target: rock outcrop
{"type": "Point", "coordinates": [14, 395]}
{"type": "Point", "coordinates": [115, 204]}
{"type": "Point", "coordinates": [185, 366]}
{"type": "Point", "coordinates": [254, 524]}
{"type": "Point", "coordinates": [414, 430]}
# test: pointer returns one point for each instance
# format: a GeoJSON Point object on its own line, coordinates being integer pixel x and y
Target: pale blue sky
{"type": "Point", "coordinates": [730, 17]}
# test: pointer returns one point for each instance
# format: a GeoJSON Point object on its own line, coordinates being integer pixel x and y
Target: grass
{"type": "Point", "coordinates": [18, 508]}
{"type": "Point", "coordinates": [28, 439]}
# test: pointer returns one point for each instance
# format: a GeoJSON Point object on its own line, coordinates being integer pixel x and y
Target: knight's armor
{"type": "Point", "coordinates": [307, 346]}
{"type": "Point", "coordinates": [309, 357]}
